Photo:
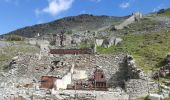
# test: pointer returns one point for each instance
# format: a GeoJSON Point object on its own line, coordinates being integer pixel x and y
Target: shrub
{"type": "Point", "coordinates": [14, 37]}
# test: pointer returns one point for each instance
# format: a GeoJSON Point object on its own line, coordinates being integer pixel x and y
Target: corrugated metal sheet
{"type": "Point", "coordinates": [71, 51]}
{"type": "Point", "coordinates": [48, 81]}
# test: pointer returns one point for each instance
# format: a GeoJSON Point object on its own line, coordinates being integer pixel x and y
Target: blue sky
{"type": "Point", "coordinates": [20, 13]}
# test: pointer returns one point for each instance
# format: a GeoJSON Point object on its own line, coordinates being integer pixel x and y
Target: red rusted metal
{"type": "Point", "coordinates": [70, 51]}
{"type": "Point", "coordinates": [99, 76]}
{"type": "Point", "coordinates": [97, 82]}
{"type": "Point", "coordinates": [48, 82]}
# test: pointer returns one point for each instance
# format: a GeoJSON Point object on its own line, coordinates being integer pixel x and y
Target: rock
{"type": "Point", "coordinates": [15, 58]}
{"type": "Point", "coordinates": [99, 42]}
{"type": "Point", "coordinates": [117, 41]}
{"type": "Point", "coordinates": [137, 88]}
{"type": "Point", "coordinates": [168, 58]}
{"type": "Point", "coordinates": [111, 41]}
{"type": "Point", "coordinates": [155, 97]}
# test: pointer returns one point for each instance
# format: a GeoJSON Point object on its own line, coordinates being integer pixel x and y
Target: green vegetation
{"type": "Point", "coordinates": [167, 98]}
{"type": "Point", "coordinates": [164, 13]}
{"type": "Point", "coordinates": [148, 49]}
{"type": "Point", "coordinates": [144, 24]}
{"type": "Point", "coordinates": [142, 98]}
{"type": "Point", "coordinates": [14, 37]}
{"type": "Point", "coordinates": [86, 44]}
{"type": "Point", "coordinates": [69, 32]}
{"type": "Point", "coordinates": [11, 51]}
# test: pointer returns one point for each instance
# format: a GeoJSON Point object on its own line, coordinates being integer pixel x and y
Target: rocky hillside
{"type": "Point", "coordinates": [147, 40]}
{"type": "Point", "coordinates": [164, 12]}
{"type": "Point", "coordinates": [75, 23]}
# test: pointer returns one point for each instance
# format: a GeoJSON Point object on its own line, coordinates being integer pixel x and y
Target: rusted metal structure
{"type": "Point", "coordinates": [48, 81]}
{"type": "Point", "coordinates": [97, 82]}
{"type": "Point", "coordinates": [71, 51]}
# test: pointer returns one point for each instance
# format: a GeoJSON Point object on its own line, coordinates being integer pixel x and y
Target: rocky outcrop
{"type": "Point", "coordinates": [99, 42]}
{"type": "Point", "coordinates": [164, 71]}
{"type": "Point", "coordinates": [133, 71]}
{"type": "Point", "coordinates": [111, 41]}
{"type": "Point", "coordinates": [167, 59]}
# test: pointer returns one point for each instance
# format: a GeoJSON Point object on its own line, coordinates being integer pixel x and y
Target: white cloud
{"type": "Point", "coordinates": [55, 7]}
{"type": "Point", "coordinates": [124, 5]}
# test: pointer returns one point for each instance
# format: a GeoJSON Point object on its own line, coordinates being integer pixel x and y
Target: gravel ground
{"type": "Point", "coordinates": [3, 44]}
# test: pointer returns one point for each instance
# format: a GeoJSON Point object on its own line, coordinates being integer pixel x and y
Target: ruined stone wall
{"type": "Point", "coordinates": [137, 83]}
{"type": "Point", "coordinates": [135, 17]}
{"type": "Point", "coordinates": [113, 68]}
{"type": "Point", "coordinates": [112, 65]}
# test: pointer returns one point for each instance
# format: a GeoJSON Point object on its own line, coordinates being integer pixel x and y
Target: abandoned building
{"type": "Point", "coordinates": [96, 82]}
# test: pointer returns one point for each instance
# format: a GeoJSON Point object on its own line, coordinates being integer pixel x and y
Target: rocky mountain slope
{"type": "Point", "coordinates": [75, 23]}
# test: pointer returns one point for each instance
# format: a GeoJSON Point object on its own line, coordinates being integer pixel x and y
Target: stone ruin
{"type": "Point", "coordinates": [135, 17]}
{"type": "Point", "coordinates": [108, 42]}
{"type": "Point", "coordinates": [137, 83]}
{"type": "Point", "coordinates": [119, 70]}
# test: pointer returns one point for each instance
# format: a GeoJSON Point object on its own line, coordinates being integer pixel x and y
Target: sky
{"type": "Point", "coordinates": [15, 14]}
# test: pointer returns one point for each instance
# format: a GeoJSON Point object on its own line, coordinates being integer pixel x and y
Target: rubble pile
{"type": "Point", "coordinates": [164, 71]}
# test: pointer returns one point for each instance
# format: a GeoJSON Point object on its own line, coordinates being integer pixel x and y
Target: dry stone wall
{"type": "Point", "coordinates": [137, 83]}
{"type": "Point", "coordinates": [135, 17]}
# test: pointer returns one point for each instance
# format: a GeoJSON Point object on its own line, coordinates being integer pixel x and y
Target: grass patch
{"type": "Point", "coordinates": [167, 98]}
{"type": "Point", "coordinates": [145, 24]}
{"type": "Point", "coordinates": [142, 98]}
{"type": "Point", "coordinates": [147, 49]}
{"type": "Point", "coordinates": [13, 37]}
{"type": "Point", "coordinates": [86, 44]}
{"type": "Point", "coordinates": [11, 51]}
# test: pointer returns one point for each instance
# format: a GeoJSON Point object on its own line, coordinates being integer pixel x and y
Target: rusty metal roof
{"type": "Point", "coordinates": [70, 51]}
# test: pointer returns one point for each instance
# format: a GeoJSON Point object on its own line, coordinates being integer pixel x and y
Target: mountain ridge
{"type": "Point", "coordinates": [78, 23]}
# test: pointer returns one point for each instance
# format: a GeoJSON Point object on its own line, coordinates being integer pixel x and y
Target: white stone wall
{"type": "Point", "coordinates": [126, 22]}
{"type": "Point", "coordinates": [80, 74]}
{"type": "Point", "coordinates": [99, 42]}
{"type": "Point", "coordinates": [67, 79]}
{"type": "Point", "coordinates": [135, 17]}
{"type": "Point", "coordinates": [62, 83]}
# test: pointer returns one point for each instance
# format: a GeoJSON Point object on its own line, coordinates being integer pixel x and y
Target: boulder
{"type": "Point", "coordinates": [117, 41]}
{"type": "Point", "coordinates": [111, 41]}
{"type": "Point", "coordinates": [155, 97]}
{"type": "Point", "coordinates": [99, 42]}
{"type": "Point", "coordinates": [168, 58]}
